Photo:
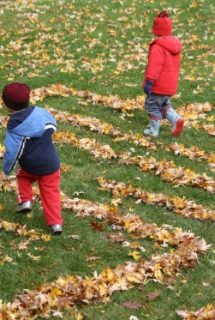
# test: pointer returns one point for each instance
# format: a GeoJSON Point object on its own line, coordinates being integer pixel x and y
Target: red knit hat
{"type": "Point", "coordinates": [162, 25]}
{"type": "Point", "coordinates": [16, 95]}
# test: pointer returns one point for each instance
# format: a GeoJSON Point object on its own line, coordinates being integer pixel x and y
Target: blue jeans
{"type": "Point", "coordinates": [156, 105]}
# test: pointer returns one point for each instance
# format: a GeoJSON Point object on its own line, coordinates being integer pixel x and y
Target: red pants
{"type": "Point", "coordinates": [49, 186]}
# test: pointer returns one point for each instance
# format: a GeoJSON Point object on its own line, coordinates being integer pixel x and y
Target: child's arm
{"type": "Point", "coordinates": [155, 63]}
{"type": "Point", "coordinates": [14, 145]}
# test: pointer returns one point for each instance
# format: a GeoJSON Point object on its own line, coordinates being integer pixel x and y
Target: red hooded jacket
{"type": "Point", "coordinates": [163, 65]}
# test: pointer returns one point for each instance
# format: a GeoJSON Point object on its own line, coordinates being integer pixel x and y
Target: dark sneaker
{"type": "Point", "coordinates": [56, 229]}
{"type": "Point", "coordinates": [24, 207]}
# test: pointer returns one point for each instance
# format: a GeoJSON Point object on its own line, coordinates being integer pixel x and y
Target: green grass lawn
{"type": "Point", "coordinates": [102, 46]}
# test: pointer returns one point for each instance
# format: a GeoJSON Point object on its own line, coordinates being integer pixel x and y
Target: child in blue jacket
{"type": "Point", "coordinates": [28, 141]}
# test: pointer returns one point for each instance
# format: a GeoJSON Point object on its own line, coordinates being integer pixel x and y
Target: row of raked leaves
{"type": "Point", "coordinates": [100, 152]}
{"type": "Point", "coordinates": [66, 292]}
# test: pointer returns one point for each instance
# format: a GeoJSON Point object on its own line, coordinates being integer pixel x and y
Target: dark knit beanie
{"type": "Point", "coordinates": [16, 95]}
{"type": "Point", "coordinates": [162, 25]}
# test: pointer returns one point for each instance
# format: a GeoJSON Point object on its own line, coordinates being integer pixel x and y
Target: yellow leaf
{"type": "Point", "coordinates": [55, 292]}
{"type": "Point", "coordinates": [108, 274]}
{"type": "Point", "coordinates": [78, 316]}
{"type": "Point", "coordinates": [135, 254]}
{"type": "Point", "coordinates": [46, 237]}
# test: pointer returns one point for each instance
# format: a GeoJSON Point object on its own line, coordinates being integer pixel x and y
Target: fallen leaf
{"type": "Point", "coordinates": [97, 226]}
{"type": "Point", "coordinates": [74, 237]}
{"type": "Point", "coordinates": [135, 254]}
{"type": "Point", "coordinates": [206, 284]}
{"type": "Point", "coordinates": [116, 237]}
{"type": "Point", "coordinates": [132, 305]}
{"type": "Point", "coordinates": [133, 318]}
{"type": "Point", "coordinates": [32, 257]}
{"type": "Point", "coordinates": [78, 316]}
{"type": "Point", "coordinates": [92, 258]}
{"type": "Point", "coordinates": [57, 314]}
{"type": "Point", "coordinates": [153, 295]}
{"type": "Point", "coordinates": [116, 202]}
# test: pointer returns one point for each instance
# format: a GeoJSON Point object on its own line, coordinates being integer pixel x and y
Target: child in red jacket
{"type": "Point", "coordinates": [161, 77]}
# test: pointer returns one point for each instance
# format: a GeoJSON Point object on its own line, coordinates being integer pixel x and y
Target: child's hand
{"type": "Point", "coordinates": [148, 87]}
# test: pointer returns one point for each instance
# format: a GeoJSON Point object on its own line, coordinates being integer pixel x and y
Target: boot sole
{"type": "Point", "coordinates": [57, 233]}
{"type": "Point", "coordinates": [179, 128]}
{"type": "Point", "coordinates": [23, 211]}
{"type": "Point", "coordinates": [150, 135]}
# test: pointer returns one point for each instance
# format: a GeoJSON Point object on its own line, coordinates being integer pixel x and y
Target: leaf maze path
{"type": "Point", "coordinates": [96, 125]}
{"type": "Point", "coordinates": [193, 113]}
{"type": "Point", "coordinates": [182, 206]}
{"type": "Point", "coordinates": [166, 169]}
{"type": "Point", "coordinates": [68, 291]}
{"type": "Point", "coordinates": [133, 225]}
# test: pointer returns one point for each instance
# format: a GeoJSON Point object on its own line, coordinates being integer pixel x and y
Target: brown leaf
{"type": "Point", "coordinates": [116, 237]}
{"type": "Point", "coordinates": [133, 305]}
{"type": "Point", "coordinates": [97, 226]}
{"type": "Point", "coordinates": [153, 295]}
{"type": "Point", "coordinates": [64, 301]}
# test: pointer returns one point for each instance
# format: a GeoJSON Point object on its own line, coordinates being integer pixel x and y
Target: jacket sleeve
{"type": "Point", "coordinates": [50, 121]}
{"type": "Point", "coordinates": [14, 145]}
{"type": "Point", "coordinates": [155, 62]}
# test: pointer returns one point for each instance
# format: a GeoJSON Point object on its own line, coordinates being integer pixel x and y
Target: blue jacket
{"type": "Point", "coordinates": [29, 141]}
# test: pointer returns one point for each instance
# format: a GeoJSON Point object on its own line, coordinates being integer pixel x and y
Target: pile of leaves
{"type": "Point", "coordinates": [7, 183]}
{"type": "Point", "coordinates": [93, 124]}
{"type": "Point", "coordinates": [114, 102]}
{"type": "Point", "coordinates": [65, 292]}
{"type": "Point", "coordinates": [192, 113]}
{"type": "Point", "coordinates": [193, 153]}
{"type": "Point", "coordinates": [70, 290]}
{"type": "Point", "coordinates": [96, 125]}
{"type": "Point", "coordinates": [96, 149]}
{"type": "Point", "coordinates": [195, 113]}
{"type": "Point", "coordinates": [205, 313]}
{"type": "Point", "coordinates": [170, 172]}
{"type": "Point", "coordinates": [166, 169]}
{"type": "Point", "coordinates": [182, 206]}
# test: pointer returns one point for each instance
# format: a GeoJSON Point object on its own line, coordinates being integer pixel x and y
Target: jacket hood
{"type": "Point", "coordinates": [35, 124]}
{"type": "Point", "coordinates": [170, 43]}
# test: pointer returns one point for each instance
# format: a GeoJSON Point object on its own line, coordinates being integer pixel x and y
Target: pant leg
{"type": "Point", "coordinates": [165, 105]}
{"type": "Point", "coordinates": [49, 186]}
{"type": "Point", "coordinates": [152, 106]}
{"type": "Point", "coordinates": [24, 183]}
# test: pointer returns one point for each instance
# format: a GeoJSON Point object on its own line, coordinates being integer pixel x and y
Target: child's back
{"type": "Point", "coordinates": [28, 141]}
{"type": "Point", "coordinates": [161, 77]}
{"type": "Point", "coordinates": [164, 65]}
{"type": "Point", "coordinates": [33, 128]}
